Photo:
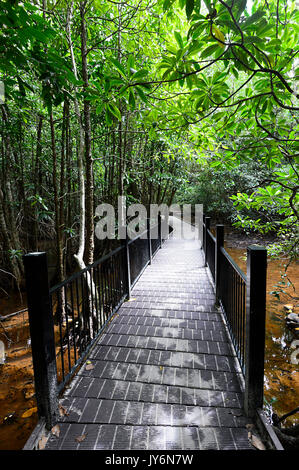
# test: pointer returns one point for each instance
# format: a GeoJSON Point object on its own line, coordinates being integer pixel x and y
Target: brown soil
{"type": "Point", "coordinates": [16, 385]}
{"type": "Point", "coordinates": [17, 378]}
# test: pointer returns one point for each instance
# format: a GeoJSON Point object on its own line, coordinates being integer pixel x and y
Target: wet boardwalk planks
{"type": "Point", "coordinates": [164, 375]}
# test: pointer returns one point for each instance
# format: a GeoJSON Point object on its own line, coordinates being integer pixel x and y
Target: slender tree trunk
{"type": "Point", "coordinates": [8, 247]}
{"type": "Point", "coordinates": [10, 202]}
{"type": "Point", "coordinates": [87, 132]}
{"type": "Point", "coordinates": [60, 311]}
{"type": "Point", "coordinates": [89, 316]}
{"type": "Point", "coordinates": [80, 153]}
{"type": "Point", "coordinates": [120, 153]}
{"type": "Point", "coordinates": [37, 177]}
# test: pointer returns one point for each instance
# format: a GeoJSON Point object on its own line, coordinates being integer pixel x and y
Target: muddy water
{"type": "Point", "coordinates": [281, 374]}
{"type": "Point", "coordinates": [16, 374]}
{"type": "Point", "coordinates": [16, 377]}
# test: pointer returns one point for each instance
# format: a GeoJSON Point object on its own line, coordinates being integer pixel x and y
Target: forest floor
{"type": "Point", "coordinates": [235, 239]}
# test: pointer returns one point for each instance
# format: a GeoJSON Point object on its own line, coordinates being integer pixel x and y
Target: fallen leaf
{"type": "Point", "coordinates": [55, 430]}
{"type": "Point", "coordinates": [88, 362]}
{"type": "Point", "coordinates": [257, 443]}
{"type": "Point", "coordinates": [28, 393]}
{"type": "Point", "coordinates": [288, 307]}
{"type": "Point", "coordinates": [63, 411]}
{"type": "Point", "coordinates": [42, 443]}
{"type": "Point", "coordinates": [29, 413]}
{"type": "Point", "coordinates": [89, 367]}
{"type": "Point", "coordinates": [81, 438]}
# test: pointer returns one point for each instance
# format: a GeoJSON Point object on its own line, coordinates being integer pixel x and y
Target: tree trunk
{"type": "Point", "coordinates": [87, 132]}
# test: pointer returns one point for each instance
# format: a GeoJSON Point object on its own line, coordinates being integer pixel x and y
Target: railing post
{"type": "Point", "coordinates": [42, 336]}
{"type": "Point", "coordinates": [203, 232]}
{"type": "Point", "coordinates": [255, 328]}
{"type": "Point", "coordinates": [127, 264]}
{"type": "Point", "coordinates": [207, 227]}
{"type": "Point", "coordinates": [148, 226]}
{"type": "Point", "coordinates": [219, 244]}
{"type": "Point", "coordinates": [160, 229]}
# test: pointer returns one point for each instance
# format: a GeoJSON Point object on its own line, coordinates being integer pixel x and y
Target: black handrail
{"type": "Point", "coordinates": [242, 299]}
{"type": "Point", "coordinates": [66, 320]}
{"type": "Point", "coordinates": [233, 263]}
{"type": "Point", "coordinates": [210, 247]}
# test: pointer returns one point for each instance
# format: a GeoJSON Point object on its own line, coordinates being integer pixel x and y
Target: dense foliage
{"type": "Point", "coordinates": [156, 100]}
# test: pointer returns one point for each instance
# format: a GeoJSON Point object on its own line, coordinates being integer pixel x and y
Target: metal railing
{"type": "Point", "coordinates": [82, 305]}
{"type": "Point", "coordinates": [232, 297]}
{"type": "Point", "coordinates": [66, 320]}
{"type": "Point", "coordinates": [209, 242]}
{"type": "Point", "coordinates": [242, 299]}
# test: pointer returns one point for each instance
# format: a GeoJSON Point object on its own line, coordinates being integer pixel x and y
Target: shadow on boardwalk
{"type": "Point", "coordinates": [164, 374]}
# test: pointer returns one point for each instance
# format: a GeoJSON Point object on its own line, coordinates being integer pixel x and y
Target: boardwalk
{"type": "Point", "coordinates": [164, 375]}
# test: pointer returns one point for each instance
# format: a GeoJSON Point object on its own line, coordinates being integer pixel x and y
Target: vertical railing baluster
{"type": "Point", "coordinates": [79, 318]}
{"type": "Point", "coordinates": [100, 294]}
{"type": "Point", "coordinates": [160, 230]}
{"type": "Point", "coordinates": [61, 340]}
{"type": "Point", "coordinates": [67, 328]}
{"type": "Point", "coordinates": [243, 322]}
{"type": "Point", "coordinates": [207, 227]}
{"type": "Point", "coordinates": [89, 275]}
{"type": "Point", "coordinates": [96, 295]}
{"type": "Point", "coordinates": [73, 321]}
{"type": "Point", "coordinates": [103, 292]}
{"type": "Point", "coordinates": [203, 234]}
{"type": "Point", "coordinates": [218, 245]}
{"type": "Point", "coordinates": [149, 243]}
{"type": "Point", "coordinates": [114, 262]}
{"type": "Point", "coordinates": [85, 328]}
{"type": "Point", "coordinates": [127, 265]}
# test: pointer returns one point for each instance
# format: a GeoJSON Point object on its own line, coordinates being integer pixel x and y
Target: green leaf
{"type": "Point", "coordinates": [209, 51]}
{"type": "Point", "coordinates": [179, 39]}
{"type": "Point", "coordinates": [167, 4]}
{"type": "Point", "coordinates": [130, 64]}
{"type": "Point", "coordinates": [99, 108]}
{"type": "Point", "coordinates": [253, 18]}
{"type": "Point", "coordinates": [253, 40]}
{"type": "Point", "coordinates": [118, 66]}
{"type": "Point", "coordinates": [139, 74]}
{"type": "Point", "coordinates": [240, 5]}
{"type": "Point", "coordinates": [141, 94]}
{"type": "Point", "coordinates": [208, 5]}
{"type": "Point", "coordinates": [132, 99]}
{"type": "Point", "coordinates": [108, 117]}
{"type": "Point", "coordinates": [114, 110]}
{"type": "Point", "coordinates": [189, 8]}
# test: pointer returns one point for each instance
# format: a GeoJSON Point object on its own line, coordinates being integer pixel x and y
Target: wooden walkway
{"type": "Point", "coordinates": [164, 375]}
